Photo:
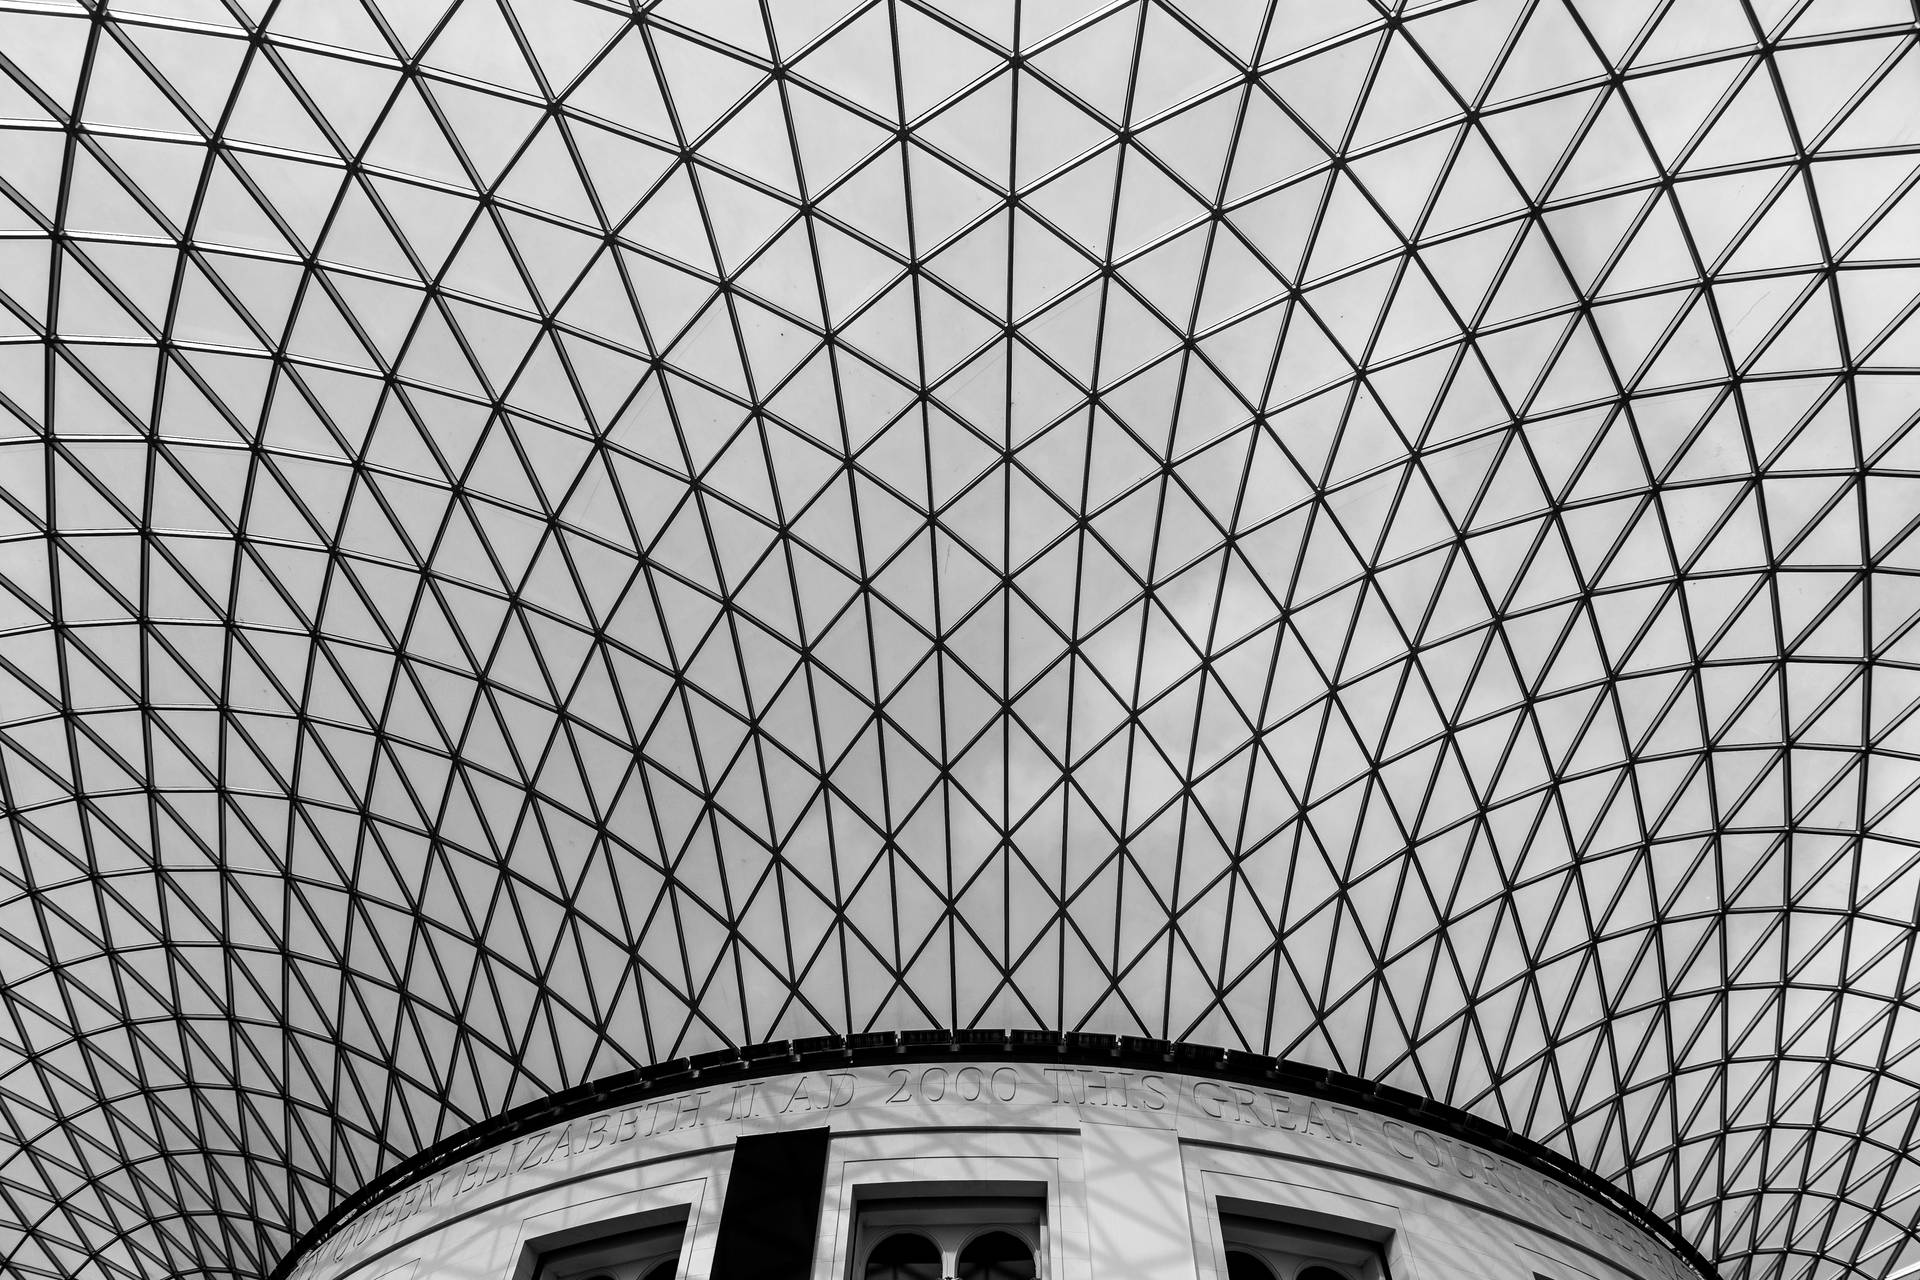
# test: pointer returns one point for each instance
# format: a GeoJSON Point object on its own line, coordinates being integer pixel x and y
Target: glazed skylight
{"type": "Point", "coordinates": [540, 538]}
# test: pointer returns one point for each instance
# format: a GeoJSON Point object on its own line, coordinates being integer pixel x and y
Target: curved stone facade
{"type": "Point", "coordinates": [1135, 1169]}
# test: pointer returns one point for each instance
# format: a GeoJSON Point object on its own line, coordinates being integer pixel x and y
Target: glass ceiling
{"type": "Point", "coordinates": [543, 536]}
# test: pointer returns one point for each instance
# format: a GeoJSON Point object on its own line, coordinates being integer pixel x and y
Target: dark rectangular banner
{"type": "Point", "coordinates": [772, 1212]}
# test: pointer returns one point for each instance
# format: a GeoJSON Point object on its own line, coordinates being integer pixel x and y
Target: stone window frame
{"type": "Point", "coordinates": [676, 1218]}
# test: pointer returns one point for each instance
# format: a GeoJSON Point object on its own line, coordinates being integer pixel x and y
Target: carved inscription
{"type": "Point", "coordinates": [1073, 1086]}
{"type": "Point", "coordinates": [1092, 1087]}
{"type": "Point", "coordinates": [1272, 1110]}
{"type": "Point", "coordinates": [1470, 1164]}
{"type": "Point", "coordinates": [962, 1084]}
{"type": "Point", "coordinates": [781, 1097]}
{"type": "Point", "coordinates": [609, 1128]}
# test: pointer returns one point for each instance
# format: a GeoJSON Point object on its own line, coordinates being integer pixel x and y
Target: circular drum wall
{"type": "Point", "coordinates": [1133, 1171]}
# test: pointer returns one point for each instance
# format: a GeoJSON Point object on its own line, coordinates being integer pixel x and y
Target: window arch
{"type": "Point", "coordinates": [904, 1255]}
{"type": "Point", "coordinates": [997, 1255]}
{"type": "Point", "coordinates": [1245, 1266]}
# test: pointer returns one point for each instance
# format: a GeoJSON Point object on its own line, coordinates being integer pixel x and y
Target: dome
{"type": "Point", "coordinates": [540, 538]}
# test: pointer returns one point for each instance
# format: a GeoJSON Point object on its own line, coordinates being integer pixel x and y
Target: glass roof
{"type": "Point", "coordinates": [542, 536]}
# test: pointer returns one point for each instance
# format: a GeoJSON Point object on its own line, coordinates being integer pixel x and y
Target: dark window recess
{"type": "Point", "coordinates": [650, 1254]}
{"type": "Point", "coordinates": [904, 1255]}
{"type": "Point", "coordinates": [1260, 1249]}
{"type": "Point", "coordinates": [997, 1255]}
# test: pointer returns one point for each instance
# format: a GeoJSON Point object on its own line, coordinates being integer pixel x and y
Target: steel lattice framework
{"type": "Point", "coordinates": [538, 537]}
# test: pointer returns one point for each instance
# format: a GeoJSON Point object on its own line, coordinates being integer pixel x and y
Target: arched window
{"type": "Point", "coordinates": [997, 1255]}
{"type": "Point", "coordinates": [904, 1255]}
{"type": "Point", "coordinates": [1260, 1248]}
{"type": "Point", "coordinates": [927, 1237]}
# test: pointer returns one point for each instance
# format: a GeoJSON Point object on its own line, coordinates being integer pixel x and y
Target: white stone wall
{"type": "Point", "coordinates": [1133, 1165]}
